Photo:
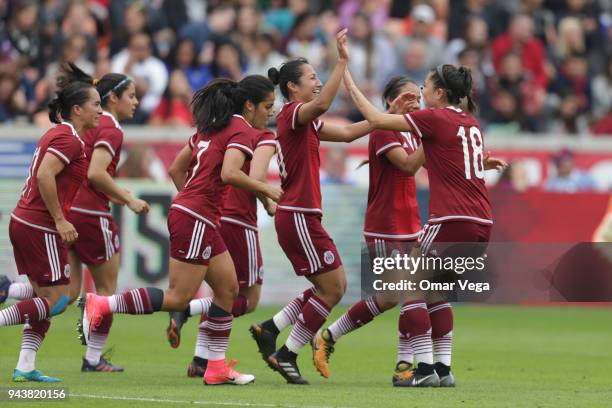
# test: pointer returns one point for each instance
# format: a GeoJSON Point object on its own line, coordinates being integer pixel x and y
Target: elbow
{"type": "Point", "coordinates": [228, 176]}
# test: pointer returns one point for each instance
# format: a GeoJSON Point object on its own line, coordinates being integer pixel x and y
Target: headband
{"type": "Point", "coordinates": [115, 87]}
{"type": "Point", "coordinates": [440, 72]}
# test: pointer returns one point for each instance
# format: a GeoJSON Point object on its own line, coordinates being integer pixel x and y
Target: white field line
{"type": "Point", "coordinates": [199, 402]}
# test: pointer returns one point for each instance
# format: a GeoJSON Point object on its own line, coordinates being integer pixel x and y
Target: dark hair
{"type": "Point", "coordinates": [73, 89]}
{"type": "Point", "coordinates": [290, 71]}
{"type": "Point", "coordinates": [456, 81]}
{"type": "Point", "coordinates": [214, 105]}
{"type": "Point", "coordinates": [393, 87]}
{"type": "Point", "coordinates": [112, 83]}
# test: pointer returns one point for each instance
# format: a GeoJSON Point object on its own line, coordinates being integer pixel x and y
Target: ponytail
{"type": "Point", "coordinates": [456, 82]}
{"type": "Point", "coordinates": [213, 105]}
{"type": "Point", "coordinates": [73, 89]}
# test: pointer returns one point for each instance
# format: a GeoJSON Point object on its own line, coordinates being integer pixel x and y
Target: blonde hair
{"type": "Point", "coordinates": [568, 28]}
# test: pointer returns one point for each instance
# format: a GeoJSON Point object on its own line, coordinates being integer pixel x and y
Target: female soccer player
{"type": "Point", "coordinates": [392, 221]}
{"type": "Point", "coordinates": [39, 229]}
{"type": "Point", "coordinates": [238, 228]}
{"type": "Point", "coordinates": [196, 248]}
{"type": "Point", "coordinates": [98, 246]}
{"type": "Point", "coordinates": [459, 206]}
{"type": "Point", "coordinates": [298, 218]}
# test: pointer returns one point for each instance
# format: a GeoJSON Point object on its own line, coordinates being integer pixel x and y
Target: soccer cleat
{"type": "Point", "coordinates": [447, 380]}
{"type": "Point", "coordinates": [419, 379]}
{"type": "Point", "coordinates": [287, 368]}
{"type": "Point", "coordinates": [218, 373]}
{"type": "Point", "coordinates": [173, 332]}
{"type": "Point", "coordinates": [322, 347]}
{"type": "Point", "coordinates": [403, 372]}
{"type": "Point", "coordinates": [90, 316]}
{"type": "Point", "coordinates": [104, 365]}
{"type": "Point", "coordinates": [197, 367]}
{"type": "Point", "coordinates": [33, 376]}
{"type": "Point", "coordinates": [5, 283]}
{"type": "Point", "coordinates": [266, 342]}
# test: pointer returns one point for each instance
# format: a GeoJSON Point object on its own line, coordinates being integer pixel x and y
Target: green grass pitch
{"type": "Point", "coordinates": [503, 356]}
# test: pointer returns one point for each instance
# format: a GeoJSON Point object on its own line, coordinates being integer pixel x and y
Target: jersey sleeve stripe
{"type": "Point", "coordinates": [240, 147]}
{"type": "Point", "coordinates": [59, 154]}
{"type": "Point", "coordinates": [267, 142]}
{"type": "Point", "coordinates": [387, 147]}
{"type": "Point", "coordinates": [411, 123]}
{"type": "Point", "coordinates": [293, 117]}
{"type": "Point", "coordinates": [104, 143]}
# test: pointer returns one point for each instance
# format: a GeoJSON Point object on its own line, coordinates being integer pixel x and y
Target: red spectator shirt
{"type": "Point", "coordinates": [241, 205]}
{"type": "Point", "coordinates": [454, 150]}
{"type": "Point", "coordinates": [393, 211]}
{"type": "Point", "coordinates": [108, 135]}
{"type": "Point", "coordinates": [204, 192]}
{"type": "Point", "coordinates": [532, 53]}
{"type": "Point", "coordinates": [63, 142]}
{"type": "Point", "coordinates": [298, 161]}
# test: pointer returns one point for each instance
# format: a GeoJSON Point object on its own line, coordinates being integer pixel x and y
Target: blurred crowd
{"type": "Point", "coordinates": [538, 65]}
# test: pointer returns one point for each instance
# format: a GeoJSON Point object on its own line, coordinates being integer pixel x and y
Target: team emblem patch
{"type": "Point", "coordinates": [206, 253]}
{"type": "Point", "coordinates": [67, 270]}
{"type": "Point", "coordinates": [329, 257]}
{"type": "Point", "coordinates": [117, 242]}
{"type": "Point", "coordinates": [395, 253]}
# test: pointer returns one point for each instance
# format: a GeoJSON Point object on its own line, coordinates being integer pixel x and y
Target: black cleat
{"type": "Point", "coordinates": [403, 372]}
{"type": "Point", "coordinates": [447, 379]}
{"type": "Point", "coordinates": [173, 332]}
{"type": "Point", "coordinates": [423, 376]}
{"type": "Point", "coordinates": [266, 342]}
{"type": "Point", "coordinates": [197, 367]}
{"type": "Point", "coordinates": [5, 283]}
{"type": "Point", "coordinates": [287, 367]}
{"type": "Point", "coordinates": [104, 366]}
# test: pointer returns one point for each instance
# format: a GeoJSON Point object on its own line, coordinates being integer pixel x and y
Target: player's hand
{"type": "Point", "coordinates": [405, 102]}
{"type": "Point", "coordinates": [273, 193]}
{"type": "Point", "coordinates": [493, 163]}
{"type": "Point", "coordinates": [138, 206]}
{"type": "Point", "coordinates": [342, 44]}
{"type": "Point", "coordinates": [66, 230]}
{"type": "Point", "coordinates": [270, 207]}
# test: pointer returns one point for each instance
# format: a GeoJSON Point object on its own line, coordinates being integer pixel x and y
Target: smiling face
{"type": "Point", "coordinates": [89, 113]}
{"type": "Point", "coordinates": [128, 102]}
{"type": "Point", "coordinates": [414, 105]}
{"type": "Point", "coordinates": [259, 115]}
{"type": "Point", "coordinates": [432, 96]}
{"type": "Point", "coordinates": [308, 86]}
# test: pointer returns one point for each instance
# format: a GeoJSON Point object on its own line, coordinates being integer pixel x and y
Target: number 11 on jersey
{"type": "Point", "coordinates": [477, 152]}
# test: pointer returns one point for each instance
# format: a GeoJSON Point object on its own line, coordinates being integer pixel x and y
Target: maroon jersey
{"type": "Point", "coordinates": [393, 211]}
{"type": "Point", "coordinates": [454, 151]}
{"type": "Point", "coordinates": [241, 205]}
{"type": "Point", "coordinates": [204, 193]}
{"type": "Point", "coordinates": [108, 135]}
{"type": "Point", "coordinates": [298, 161]}
{"type": "Point", "coordinates": [63, 142]}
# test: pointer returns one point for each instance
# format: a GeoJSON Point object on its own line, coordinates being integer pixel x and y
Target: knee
{"type": "Point", "coordinates": [332, 293]}
{"type": "Point", "coordinates": [174, 300]}
{"type": "Point", "coordinates": [252, 304]}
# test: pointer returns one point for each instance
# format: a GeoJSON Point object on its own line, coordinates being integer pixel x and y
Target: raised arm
{"type": "Point", "coordinates": [231, 173]}
{"type": "Point", "coordinates": [377, 119]}
{"type": "Point", "coordinates": [178, 168]}
{"type": "Point", "coordinates": [101, 158]}
{"type": "Point", "coordinates": [319, 105]}
{"type": "Point", "coordinates": [337, 133]}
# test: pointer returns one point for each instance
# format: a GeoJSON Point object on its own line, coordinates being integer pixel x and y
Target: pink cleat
{"type": "Point", "coordinates": [93, 309]}
{"type": "Point", "coordinates": [217, 373]}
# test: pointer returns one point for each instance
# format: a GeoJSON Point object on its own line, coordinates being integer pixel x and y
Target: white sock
{"type": "Point", "coordinates": [201, 346]}
{"type": "Point", "coordinates": [21, 290]}
{"type": "Point", "coordinates": [199, 306]}
{"type": "Point", "coordinates": [282, 320]}
{"type": "Point", "coordinates": [95, 347]}
{"type": "Point", "coordinates": [27, 360]}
